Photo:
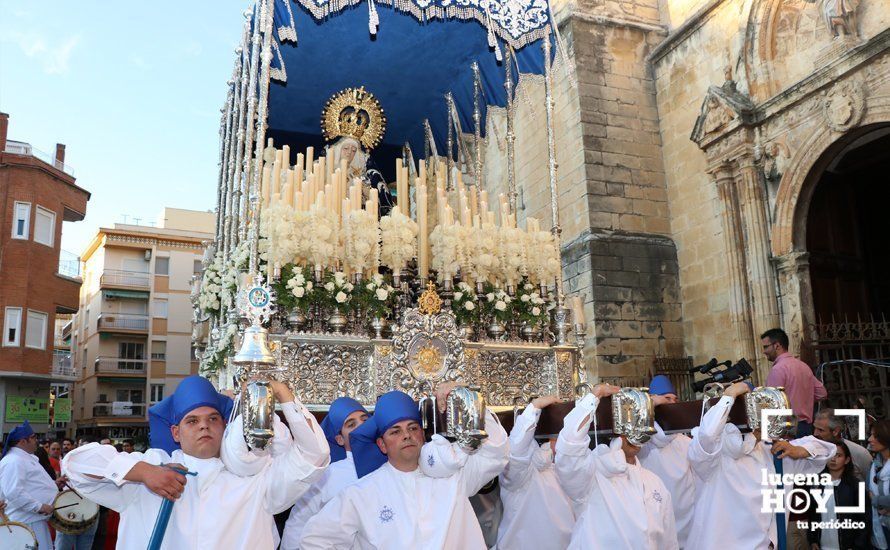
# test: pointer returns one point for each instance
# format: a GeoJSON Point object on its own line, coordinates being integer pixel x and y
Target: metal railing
{"type": "Point", "coordinates": [121, 365]}
{"type": "Point", "coordinates": [62, 365]}
{"type": "Point", "coordinates": [120, 277]}
{"type": "Point", "coordinates": [123, 321]}
{"type": "Point", "coordinates": [26, 149]}
{"type": "Point", "coordinates": [69, 264]}
{"type": "Point", "coordinates": [107, 409]}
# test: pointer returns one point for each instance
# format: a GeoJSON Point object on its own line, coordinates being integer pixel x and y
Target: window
{"type": "Point", "coordinates": [162, 266]}
{"type": "Point", "coordinates": [133, 396]}
{"type": "Point", "coordinates": [198, 267]}
{"type": "Point", "coordinates": [44, 226]}
{"type": "Point", "coordinates": [12, 326]}
{"type": "Point", "coordinates": [159, 350]}
{"type": "Point", "coordinates": [21, 220]}
{"type": "Point", "coordinates": [157, 393]}
{"type": "Point", "coordinates": [35, 331]}
{"type": "Point", "coordinates": [131, 350]}
{"type": "Point", "coordinates": [159, 309]}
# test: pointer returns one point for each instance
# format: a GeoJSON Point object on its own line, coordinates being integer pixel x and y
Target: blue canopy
{"type": "Point", "coordinates": [409, 65]}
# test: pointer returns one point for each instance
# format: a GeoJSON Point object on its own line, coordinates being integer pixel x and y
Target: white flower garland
{"type": "Point", "coordinates": [398, 233]}
{"type": "Point", "coordinates": [513, 249]}
{"type": "Point", "coordinates": [447, 249]}
{"type": "Point", "coordinates": [321, 233]}
{"type": "Point", "coordinates": [484, 254]}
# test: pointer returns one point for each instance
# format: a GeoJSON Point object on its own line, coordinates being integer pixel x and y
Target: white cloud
{"type": "Point", "coordinates": [54, 57]}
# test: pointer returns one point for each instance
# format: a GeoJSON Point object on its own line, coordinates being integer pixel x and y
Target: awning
{"type": "Point", "coordinates": [136, 294]}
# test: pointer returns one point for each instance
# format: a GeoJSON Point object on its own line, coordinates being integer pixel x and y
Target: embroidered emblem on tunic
{"type": "Point", "coordinates": [386, 514]}
{"type": "Point", "coordinates": [431, 461]}
{"type": "Point", "coordinates": [656, 496]}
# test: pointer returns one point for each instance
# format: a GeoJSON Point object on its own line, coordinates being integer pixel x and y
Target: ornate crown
{"type": "Point", "coordinates": [354, 113]}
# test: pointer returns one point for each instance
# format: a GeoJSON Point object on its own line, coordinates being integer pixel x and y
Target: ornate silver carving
{"type": "Point", "coordinates": [319, 372]}
{"type": "Point", "coordinates": [425, 348]}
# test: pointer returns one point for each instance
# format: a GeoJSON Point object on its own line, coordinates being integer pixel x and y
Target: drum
{"type": "Point", "coordinates": [17, 536]}
{"type": "Point", "coordinates": [72, 514]}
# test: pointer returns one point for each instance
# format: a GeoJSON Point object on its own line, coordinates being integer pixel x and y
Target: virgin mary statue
{"type": "Point", "coordinates": [354, 120]}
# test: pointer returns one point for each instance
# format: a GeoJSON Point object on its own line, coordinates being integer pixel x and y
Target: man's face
{"type": "Point", "coordinates": [770, 348]}
{"type": "Point", "coordinates": [127, 447]}
{"type": "Point", "coordinates": [55, 449]}
{"type": "Point", "coordinates": [67, 445]}
{"type": "Point", "coordinates": [200, 432]}
{"type": "Point", "coordinates": [29, 444]}
{"type": "Point", "coordinates": [630, 450]}
{"type": "Point", "coordinates": [402, 441]}
{"type": "Point", "coordinates": [823, 431]}
{"type": "Point", "coordinates": [353, 421]}
{"type": "Point", "coordinates": [670, 398]}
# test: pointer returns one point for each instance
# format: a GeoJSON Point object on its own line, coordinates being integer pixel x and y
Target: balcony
{"type": "Point", "coordinates": [121, 365]}
{"type": "Point", "coordinates": [125, 279]}
{"type": "Point", "coordinates": [63, 367]}
{"type": "Point", "coordinates": [26, 149]}
{"type": "Point", "coordinates": [69, 265]}
{"type": "Point", "coordinates": [124, 323]}
{"type": "Point", "coordinates": [119, 410]}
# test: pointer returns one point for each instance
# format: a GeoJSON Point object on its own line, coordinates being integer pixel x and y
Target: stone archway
{"type": "Point", "coordinates": [788, 240]}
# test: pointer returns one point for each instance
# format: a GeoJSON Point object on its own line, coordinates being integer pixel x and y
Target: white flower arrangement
{"type": "Point", "coordinates": [513, 249]}
{"type": "Point", "coordinates": [484, 255]}
{"type": "Point", "coordinates": [530, 306]}
{"type": "Point", "coordinates": [447, 249]}
{"type": "Point", "coordinates": [376, 296]}
{"type": "Point", "coordinates": [398, 233]}
{"type": "Point", "coordinates": [361, 241]}
{"type": "Point", "coordinates": [464, 305]}
{"type": "Point", "coordinates": [321, 232]}
{"type": "Point", "coordinates": [543, 257]}
{"type": "Point", "coordinates": [337, 292]}
{"type": "Point", "coordinates": [211, 286]}
{"type": "Point", "coordinates": [277, 227]}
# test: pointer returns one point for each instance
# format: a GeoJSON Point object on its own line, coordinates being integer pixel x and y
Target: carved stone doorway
{"type": "Point", "coordinates": [848, 231]}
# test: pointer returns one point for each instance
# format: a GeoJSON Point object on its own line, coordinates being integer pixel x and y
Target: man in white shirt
{"type": "Point", "coordinates": [666, 456]}
{"type": "Point", "coordinates": [216, 508]}
{"type": "Point", "coordinates": [27, 488]}
{"type": "Point", "coordinates": [731, 467]}
{"type": "Point", "coordinates": [620, 503]}
{"type": "Point", "coordinates": [395, 505]}
{"type": "Point", "coordinates": [827, 427]}
{"type": "Point", "coordinates": [537, 513]}
{"type": "Point", "coordinates": [344, 415]}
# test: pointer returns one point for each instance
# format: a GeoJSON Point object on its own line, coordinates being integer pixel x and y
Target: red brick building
{"type": "Point", "coordinates": [37, 193]}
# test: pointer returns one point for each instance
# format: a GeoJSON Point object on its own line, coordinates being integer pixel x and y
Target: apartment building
{"type": "Point", "coordinates": [131, 336]}
{"type": "Point", "coordinates": [37, 193]}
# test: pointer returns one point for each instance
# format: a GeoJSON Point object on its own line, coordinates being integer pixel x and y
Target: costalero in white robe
{"type": "Point", "coordinates": [537, 513]}
{"type": "Point", "coordinates": [337, 477]}
{"type": "Point", "coordinates": [667, 457]}
{"type": "Point", "coordinates": [729, 497]}
{"type": "Point", "coordinates": [218, 509]}
{"type": "Point", "coordinates": [393, 510]}
{"type": "Point", "coordinates": [26, 487]}
{"type": "Point", "coordinates": [621, 506]}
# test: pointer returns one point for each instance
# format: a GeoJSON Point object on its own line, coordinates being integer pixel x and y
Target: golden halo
{"type": "Point", "coordinates": [354, 113]}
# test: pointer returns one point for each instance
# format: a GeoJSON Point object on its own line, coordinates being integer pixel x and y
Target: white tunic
{"type": "Point", "coordinates": [337, 477]}
{"type": "Point", "coordinates": [667, 457]}
{"type": "Point", "coordinates": [621, 505]}
{"type": "Point", "coordinates": [26, 487]}
{"type": "Point", "coordinates": [217, 509]}
{"type": "Point", "coordinates": [391, 509]}
{"type": "Point", "coordinates": [729, 498]}
{"type": "Point", "coordinates": [537, 513]}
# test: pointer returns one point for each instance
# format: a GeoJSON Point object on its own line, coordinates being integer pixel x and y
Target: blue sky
{"type": "Point", "coordinates": [133, 89]}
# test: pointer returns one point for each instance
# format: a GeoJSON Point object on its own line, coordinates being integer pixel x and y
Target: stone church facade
{"type": "Point", "coordinates": [691, 139]}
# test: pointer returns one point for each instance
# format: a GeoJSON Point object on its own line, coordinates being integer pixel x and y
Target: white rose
{"type": "Point", "coordinates": [309, 285]}
{"type": "Point", "coordinates": [377, 278]}
{"type": "Point", "coordinates": [340, 297]}
{"type": "Point", "coordinates": [490, 297]}
{"type": "Point", "coordinates": [369, 286]}
{"type": "Point", "coordinates": [348, 287]}
{"type": "Point", "coordinates": [339, 277]}
{"type": "Point", "coordinates": [469, 306]}
{"type": "Point", "coordinates": [525, 298]}
{"type": "Point", "coordinates": [329, 287]}
{"type": "Point", "coordinates": [458, 295]}
{"type": "Point", "coordinates": [299, 291]}
{"type": "Point", "coordinates": [500, 305]}
{"type": "Point", "coordinates": [536, 311]}
{"type": "Point", "coordinates": [382, 295]}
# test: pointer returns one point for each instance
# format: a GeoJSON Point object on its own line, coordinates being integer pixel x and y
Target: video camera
{"type": "Point", "coordinates": [731, 373]}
